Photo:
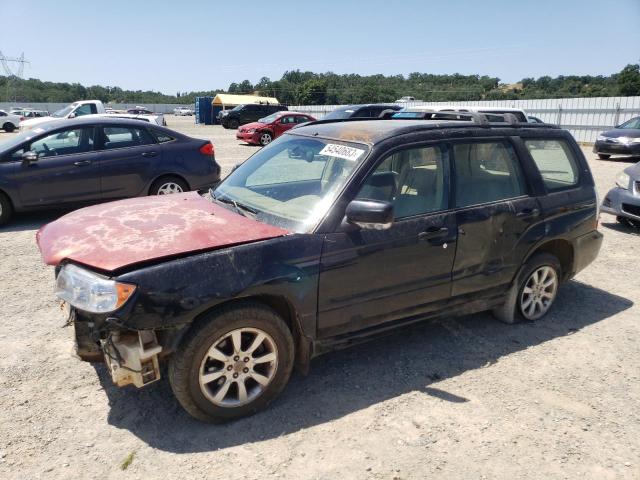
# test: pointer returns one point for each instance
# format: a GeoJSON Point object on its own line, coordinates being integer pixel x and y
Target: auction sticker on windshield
{"type": "Point", "coordinates": [341, 151]}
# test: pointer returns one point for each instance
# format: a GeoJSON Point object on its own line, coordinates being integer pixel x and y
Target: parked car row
{"type": "Point", "coordinates": [181, 111]}
{"type": "Point", "coordinates": [281, 262]}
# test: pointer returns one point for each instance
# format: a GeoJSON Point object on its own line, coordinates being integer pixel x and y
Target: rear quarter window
{"type": "Point", "coordinates": [555, 161]}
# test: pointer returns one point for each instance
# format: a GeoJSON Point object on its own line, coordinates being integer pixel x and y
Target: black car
{"type": "Point", "coordinates": [333, 233]}
{"type": "Point", "coordinates": [250, 112]}
{"type": "Point", "coordinates": [86, 160]}
{"type": "Point", "coordinates": [622, 140]}
{"type": "Point", "coordinates": [360, 111]}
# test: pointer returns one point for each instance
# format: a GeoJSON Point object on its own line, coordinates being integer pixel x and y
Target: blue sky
{"type": "Point", "coordinates": [200, 45]}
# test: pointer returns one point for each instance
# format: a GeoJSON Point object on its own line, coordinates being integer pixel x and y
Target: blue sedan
{"type": "Point", "coordinates": [67, 163]}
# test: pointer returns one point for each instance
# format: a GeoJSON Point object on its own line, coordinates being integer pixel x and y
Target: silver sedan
{"type": "Point", "coordinates": [623, 200]}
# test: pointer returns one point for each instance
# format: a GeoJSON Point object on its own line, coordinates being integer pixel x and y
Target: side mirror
{"type": "Point", "coordinates": [72, 115]}
{"type": "Point", "coordinates": [29, 156]}
{"type": "Point", "coordinates": [370, 214]}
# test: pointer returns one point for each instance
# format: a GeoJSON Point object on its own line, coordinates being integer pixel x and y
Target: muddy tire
{"type": "Point", "coordinates": [6, 209]}
{"type": "Point", "coordinates": [232, 363]}
{"type": "Point", "coordinates": [541, 294]}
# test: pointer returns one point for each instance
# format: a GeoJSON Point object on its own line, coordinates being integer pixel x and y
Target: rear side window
{"type": "Point", "coordinates": [162, 137]}
{"type": "Point", "coordinates": [555, 160]}
{"type": "Point", "coordinates": [122, 137]}
{"type": "Point", "coordinates": [486, 172]}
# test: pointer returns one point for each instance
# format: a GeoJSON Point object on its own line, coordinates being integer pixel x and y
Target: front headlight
{"type": "Point", "coordinates": [251, 130]}
{"type": "Point", "coordinates": [622, 180]}
{"type": "Point", "coordinates": [601, 138]}
{"type": "Point", "coordinates": [91, 292]}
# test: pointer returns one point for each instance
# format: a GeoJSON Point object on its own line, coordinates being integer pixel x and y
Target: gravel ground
{"type": "Point", "coordinates": [468, 398]}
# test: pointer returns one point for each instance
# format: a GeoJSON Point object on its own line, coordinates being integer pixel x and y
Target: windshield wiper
{"type": "Point", "coordinates": [239, 207]}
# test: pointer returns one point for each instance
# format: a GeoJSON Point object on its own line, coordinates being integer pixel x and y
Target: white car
{"type": "Point", "coordinates": [183, 111]}
{"type": "Point", "coordinates": [8, 121]}
{"type": "Point", "coordinates": [76, 109]}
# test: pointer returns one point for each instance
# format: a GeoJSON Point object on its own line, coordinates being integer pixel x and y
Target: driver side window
{"type": "Point", "coordinates": [65, 142]}
{"type": "Point", "coordinates": [413, 180]}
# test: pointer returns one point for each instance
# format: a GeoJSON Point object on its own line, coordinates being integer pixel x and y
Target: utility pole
{"type": "Point", "coordinates": [18, 73]}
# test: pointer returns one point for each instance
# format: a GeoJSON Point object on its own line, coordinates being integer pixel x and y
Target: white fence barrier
{"type": "Point", "coordinates": [583, 117]}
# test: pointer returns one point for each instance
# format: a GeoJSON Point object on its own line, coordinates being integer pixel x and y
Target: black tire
{"type": "Point", "coordinates": [163, 181]}
{"type": "Point", "coordinates": [233, 124]}
{"type": "Point", "coordinates": [603, 156]}
{"type": "Point", "coordinates": [6, 209]}
{"type": "Point", "coordinates": [9, 127]}
{"type": "Point", "coordinates": [185, 364]}
{"type": "Point", "coordinates": [511, 312]}
{"type": "Point", "coordinates": [265, 138]}
{"type": "Point", "coordinates": [628, 222]}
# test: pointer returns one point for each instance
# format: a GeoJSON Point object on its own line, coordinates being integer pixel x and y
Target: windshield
{"type": "Point", "coordinates": [292, 182]}
{"type": "Point", "coordinates": [338, 114]}
{"type": "Point", "coordinates": [16, 140]}
{"type": "Point", "coordinates": [235, 109]}
{"type": "Point", "coordinates": [269, 119]}
{"type": "Point", "coordinates": [633, 123]}
{"type": "Point", "coordinates": [63, 112]}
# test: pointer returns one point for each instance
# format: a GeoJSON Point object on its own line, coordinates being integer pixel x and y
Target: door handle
{"type": "Point", "coordinates": [433, 232]}
{"type": "Point", "coordinates": [149, 154]}
{"type": "Point", "coordinates": [82, 163]}
{"type": "Point", "coordinates": [528, 212]}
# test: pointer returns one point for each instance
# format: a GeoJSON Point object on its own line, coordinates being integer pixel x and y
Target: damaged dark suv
{"type": "Point", "coordinates": [335, 232]}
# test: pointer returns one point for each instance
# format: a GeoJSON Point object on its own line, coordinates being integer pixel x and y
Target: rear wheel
{"type": "Point", "coordinates": [533, 291]}
{"type": "Point", "coordinates": [233, 363]}
{"type": "Point", "coordinates": [6, 209]}
{"type": "Point", "coordinates": [603, 156]}
{"type": "Point", "coordinates": [265, 138]}
{"type": "Point", "coordinates": [9, 127]}
{"type": "Point", "coordinates": [168, 185]}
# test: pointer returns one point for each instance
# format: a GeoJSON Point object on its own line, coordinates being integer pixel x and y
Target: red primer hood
{"type": "Point", "coordinates": [117, 234]}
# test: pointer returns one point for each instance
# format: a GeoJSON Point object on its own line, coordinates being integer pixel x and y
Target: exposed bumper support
{"type": "Point", "coordinates": [132, 358]}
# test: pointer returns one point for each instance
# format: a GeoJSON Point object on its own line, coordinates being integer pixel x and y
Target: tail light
{"type": "Point", "coordinates": [207, 149]}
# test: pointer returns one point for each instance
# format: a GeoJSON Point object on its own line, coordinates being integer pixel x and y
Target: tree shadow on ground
{"type": "Point", "coordinates": [345, 381]}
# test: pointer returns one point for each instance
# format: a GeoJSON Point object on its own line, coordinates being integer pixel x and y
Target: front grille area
{"type": "Point", "coordinates": [632, 209]}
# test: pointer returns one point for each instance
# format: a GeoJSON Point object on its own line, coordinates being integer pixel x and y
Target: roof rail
{"type": "Point", "coordinates": [478, 118]}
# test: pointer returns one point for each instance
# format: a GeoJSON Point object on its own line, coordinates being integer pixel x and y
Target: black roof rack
{"type": "Point", "coordinates": [479, 119]}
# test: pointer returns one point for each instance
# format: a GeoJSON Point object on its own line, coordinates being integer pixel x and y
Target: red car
{"type": "Point", "coordinates": [269, 128]}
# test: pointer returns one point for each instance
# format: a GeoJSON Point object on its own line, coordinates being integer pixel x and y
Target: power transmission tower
{"type": "Point", "coordinates": [11, 73]}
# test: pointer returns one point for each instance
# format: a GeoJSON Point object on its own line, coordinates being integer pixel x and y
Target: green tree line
{"type": "Point", "coordinates": [308, 88]}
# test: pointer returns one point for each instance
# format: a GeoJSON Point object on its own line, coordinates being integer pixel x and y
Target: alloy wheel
{"type": "Point", "coordinates": [539, 292]}
{"type": "Point", "coordinates": [238, 367]}
{"type": "Point", "coordinates": [168, 188]}
{"type": "Point", "coordinates": [265, 139]}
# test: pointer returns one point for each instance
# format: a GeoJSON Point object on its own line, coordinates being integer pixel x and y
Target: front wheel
{"type": "Point", "coordinates": [533, 291]}
{"type": "Point", "coordinates": [233, 363]}
{"type": "Point", "coordinates": [234, 124]}
{"type": "Point", "coordinates": [265, 138]}
{"type": "Point", "coordinates": [6, 209]}
{"type": "Point", "coordinates": [603, 156]}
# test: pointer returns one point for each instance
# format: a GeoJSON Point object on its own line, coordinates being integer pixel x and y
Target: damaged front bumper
{"type": "Point", "coordinates": [131, 356]}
